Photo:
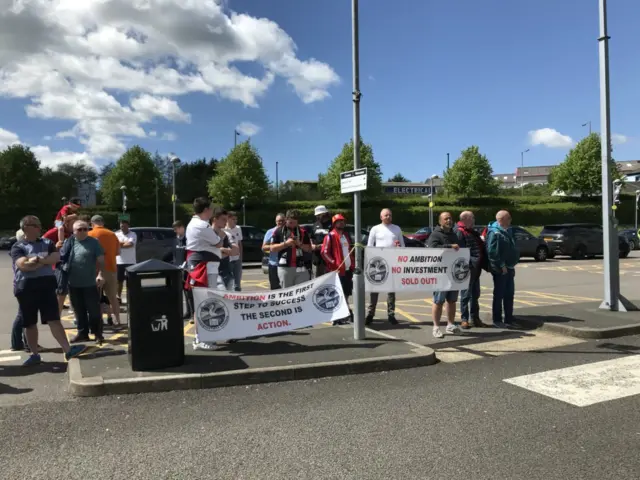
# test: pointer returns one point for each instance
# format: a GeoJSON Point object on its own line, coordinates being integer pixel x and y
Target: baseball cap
{"type": "Point", "coordinates": [97, 219]}
{"type": "Point", "coordinates": [337, 217]}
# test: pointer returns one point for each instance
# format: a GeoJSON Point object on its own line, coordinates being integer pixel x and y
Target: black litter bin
{"type": "Point", "coordinates": [156, 332]}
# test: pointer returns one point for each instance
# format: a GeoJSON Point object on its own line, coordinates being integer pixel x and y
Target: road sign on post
{"type": "Point", "coordinates": [353, 181]}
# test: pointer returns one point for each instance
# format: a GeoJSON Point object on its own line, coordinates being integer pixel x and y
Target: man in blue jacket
{"type": "Point", "coordinates": [503, 258]}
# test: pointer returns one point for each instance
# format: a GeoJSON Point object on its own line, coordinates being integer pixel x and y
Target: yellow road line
{"type": "Point", "coordinates": [407, 315]}
{"type": "Point", "coordinates": [554, 296]}
{"type": "Point", "coordinates": [531, 304]}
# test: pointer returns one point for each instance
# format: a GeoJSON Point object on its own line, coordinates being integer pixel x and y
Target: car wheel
{"type": "Point", "coordinates": [541, 254]}
{"type": "Point", "coordinates": [578, 253]}
{"type": "Point", "coordinates": [632, 245]}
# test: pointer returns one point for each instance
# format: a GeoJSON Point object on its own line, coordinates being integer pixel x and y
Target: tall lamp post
{"type": "Point", "coordinates": [588, 123]}
{"type": "Point", "coordinates": [277, 184]}
{"type": "Point", "coordinates": [236, 134]}
{"type": "Point", "coordinates": [174, 161]}
{"type": "Point", "coordinates": [522, 171]}
{"type": "Point", "coordinates": [637, 198]}
{"type": "Point", "coordinates": [157, 207]}
{"type": "Point", "coordinates": [123, 189]}
{"type": "Point", "coordinates": [431, 201]}
{"type": "Point", "coordinates": [244, 209]}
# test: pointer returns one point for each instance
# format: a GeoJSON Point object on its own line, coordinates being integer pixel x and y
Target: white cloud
{"type": "Point", "coordinates": [169, 136]}
{"type": "Point", "coordinates": [7, 138]}
{"type": "Point", "coordinates": [619, 139]}
{"type": "Point", "coordinates": [549, 138]}
{"type": "Point", "coordinates": [112, 66]}
{"type": "Point", "coordinates": [43, 153]}
{"type": "Point", "coordinates": [248, 129]}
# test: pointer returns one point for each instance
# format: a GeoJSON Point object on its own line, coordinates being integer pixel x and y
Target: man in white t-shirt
{"type": "Point", "coordinates": [234, 232]}
{"type": "Point", "coordinates": [127, 257]}
{"type": "Point", "coordinates": [388, 235]}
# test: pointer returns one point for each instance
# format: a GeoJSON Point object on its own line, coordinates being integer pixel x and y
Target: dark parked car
{"type": "Point", "coordinates": [579, 240]}
{"type": "Point", "coordinates": [154, 242]}
{"type": "Point", "coordinates": [528, 244]}
{"type": "Point", "coordinates": [7, 242]}
{"type": "Point", "coordinates": [632, 238]}
{"type": "Point", "coordinates": [252, 238]}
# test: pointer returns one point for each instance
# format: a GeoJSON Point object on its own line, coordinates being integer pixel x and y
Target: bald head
{"type": "Point", "coordinates": [445, 220]}
{"type": "Point", "coordinates": [385, 216]}
{"type": "Point", "coordinates": [467, 218]}
{"type": "Point", "coordinates": [503, 217]}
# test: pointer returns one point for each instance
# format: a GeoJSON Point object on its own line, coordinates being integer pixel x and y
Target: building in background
{"type": "Point", "coordinates": [87, 194]}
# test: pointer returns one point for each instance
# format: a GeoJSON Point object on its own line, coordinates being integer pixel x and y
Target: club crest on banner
{"type": "Point", "coordinates": [327, 298]}
{"type": "Point", "coordinates": [377, 270]}
{"type": "Point", "coordinates": [212, 315]}
{"type": "Point", "coordinates": [460, 270]}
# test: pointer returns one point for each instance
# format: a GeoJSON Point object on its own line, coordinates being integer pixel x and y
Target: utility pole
{"type": "Point", "coordinates": [447, 162]}
{"type": "Point", "coordinates": [235, 138]}
{"type": "Point", "coordinates": [613, 300]}
{"type": "Point", "coordinates": [358, 278]}
{"type": "Point", "coordinates": [522, 171]}
{"type": "Point", "coordinates": [277, 184]}
{"type": "Point", "coordinates": [588, 123]}
{"type": "Point", "coordinates": [157, 208]}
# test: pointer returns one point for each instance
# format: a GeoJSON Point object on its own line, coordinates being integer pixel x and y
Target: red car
{"type": "Point", "coordinates": [421, 235]}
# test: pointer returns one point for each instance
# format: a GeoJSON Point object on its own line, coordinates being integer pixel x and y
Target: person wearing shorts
{"type": "Point", "coordinates": [127, 255]}
{"type": "Point", "coordinates": [35, 289]}
{"type": "Point", "coordinates": [443, 236]}
{"type": "Point", "coordinates": [111, 246]}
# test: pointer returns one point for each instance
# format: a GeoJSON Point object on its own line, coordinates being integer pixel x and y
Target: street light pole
{"type": "Point", "coordinates": [277, 184]}
{"type": "Point", "coordinates": [235, 138]}
{"type": "Point", "coordinates": [244, 210]}
{"type": "Point", "coordinates": [157, 207]}
{"type": "Point", "coordinates": [612, 299]}
{"type": "Point", "coordinates": [174, 161]}
{"type": "Point", "coordinates": [522, 171]}
{"type": "Point", "coordinates": [431, 204]}
{"type": "Point", "coordinates": [588, 123]}
{"type": "Point", "coordinates": [637, 197]}
{"type": "Point", "coordinates": [358, 278]}
{"type": "Point", "coordinates": [124, 199]}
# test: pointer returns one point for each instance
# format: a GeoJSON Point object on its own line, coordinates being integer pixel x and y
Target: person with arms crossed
{"type": "Point", "coordinates": [387, 235]}
{"type": "Point", "coordinates": [290, 242]}
{"type": "Point", "coordinates": [443, 236]}
{"type": "Point", "coordinates": [274, 281]}
{"type": "Point", "coordinates": [503, 258]}
{"type": "Point", "coordinates": [320, 230]}
{"type": "Point", "coordinates": [180, 260]}
{"type": "Point", "coordinates": [127, 256]}
{"type": "Point", "coordinates": [35, 286]}
{"type": "Point", "coordinates": [234, 232]}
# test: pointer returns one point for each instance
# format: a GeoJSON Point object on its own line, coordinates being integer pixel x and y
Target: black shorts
{"type": "Point", "coordinates": [63, 282]}
{"type": "Point", "coordinates": [122, 272]}
{"type": "Point", "coordinates": [43, 301]}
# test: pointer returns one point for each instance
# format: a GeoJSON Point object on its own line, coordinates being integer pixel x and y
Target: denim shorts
{"type": "Point", "coordinates": [440, 297]}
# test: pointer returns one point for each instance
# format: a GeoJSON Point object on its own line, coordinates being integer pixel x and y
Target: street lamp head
{"type": "Point", "coordinates": [434, 176]}
{"type": "Point", "coordinates": [243, 198]}
{"type": "Point", "coordinates": [123, 188]}
{"type": "Point", "coordinates": [637, 192]}
{"type": "Point", "coordinates": [617, 181]}
{"type": "Point", "coordinates": [526, 150]}
{"type": "Point", "coordinates": [173, 158]}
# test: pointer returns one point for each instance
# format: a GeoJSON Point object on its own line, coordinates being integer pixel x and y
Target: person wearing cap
{"type": "Point", "coordinates": [338, 255]}
{"type": "Point", "coordinates": [127, 255]}
{"type": "Point", "coordinates": [320, 229]}
{"type": "Point", "coordinates": [111, 246]}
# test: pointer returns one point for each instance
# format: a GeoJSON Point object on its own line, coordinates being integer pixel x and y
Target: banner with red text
{"type": "Point", "coordinates": [412, 269]}
{"type": "Point", "coordinates": [223, 315]}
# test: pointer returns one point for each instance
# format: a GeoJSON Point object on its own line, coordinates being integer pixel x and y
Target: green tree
{"type": "Point", "coordinates": [581, 171]}
{"type": "Point", "coordinates": [137, 172]}
{"type": "Point", "coordinates": [398, 177]}
{"type": "Point", "coordinates": [470, 175]}
{"type": "Point", "coordinates": [23, 190]}
{"type": "Point", "coordinates": [239, 174]}
{"type": "Point", "coordinates": [295, 191]}
{"type": "Point", "coordinates": [329, 183]}
{"type": "Point", "coordinates": [192, 178]}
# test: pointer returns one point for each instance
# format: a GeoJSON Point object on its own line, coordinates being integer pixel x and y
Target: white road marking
{"type": "Point", "coordinates": [10, 359]}
{"type": "Point", "coordinates": [588, 384]}
{"type": "Point", "coordinates": [533, 341]}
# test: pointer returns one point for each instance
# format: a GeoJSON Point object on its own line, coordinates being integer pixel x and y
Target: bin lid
{"type": "Point", "coordinates": [152, 265]}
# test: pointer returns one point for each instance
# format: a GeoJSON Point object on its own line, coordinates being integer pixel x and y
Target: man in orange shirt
{"type": "Point", "coordinates": [111, 246]}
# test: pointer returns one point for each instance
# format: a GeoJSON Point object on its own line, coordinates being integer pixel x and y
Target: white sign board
{"type": "Point", "coordinates": [415, 269]}
{"type": "Point", "coordinates": [353, 181]}
{"type": "Point", "coordinates": [223, 315]}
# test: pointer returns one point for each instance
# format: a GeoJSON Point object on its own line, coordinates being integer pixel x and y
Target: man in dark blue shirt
{"type": "Point", "coordinates": [34, 287]}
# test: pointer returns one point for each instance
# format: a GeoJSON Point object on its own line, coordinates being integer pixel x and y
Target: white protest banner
{"type": "Point", "coordinates": [415, 269]}
{"type": "Point", "coordinates": [223, 315]}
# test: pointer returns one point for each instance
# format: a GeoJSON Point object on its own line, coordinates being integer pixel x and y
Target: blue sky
{"type": "Point", "coordinates": [436, 77]}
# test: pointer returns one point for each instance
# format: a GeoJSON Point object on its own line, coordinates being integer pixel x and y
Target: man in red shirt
{"type": "Point", "coordinates": [70, 208]}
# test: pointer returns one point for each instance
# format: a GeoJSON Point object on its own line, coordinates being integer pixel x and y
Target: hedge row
{"type": "Point", "coordinates": [404, 216]}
